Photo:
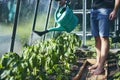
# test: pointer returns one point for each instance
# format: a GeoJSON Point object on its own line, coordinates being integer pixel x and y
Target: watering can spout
{"type": "Point", "coordinates": [58, 28]}
{"type": "Point", "coordinates": [41, 33]}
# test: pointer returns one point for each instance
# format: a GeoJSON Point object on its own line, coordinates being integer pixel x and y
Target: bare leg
{"type": "Point", "coordinates": [98, 51]}
{"type": "Point", "coordinates": [104, 52]}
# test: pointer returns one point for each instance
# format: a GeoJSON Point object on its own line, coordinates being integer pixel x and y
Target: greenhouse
{"type": "Point", "coordinates": [48, 40]}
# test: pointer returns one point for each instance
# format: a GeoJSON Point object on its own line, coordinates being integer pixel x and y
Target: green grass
{"type": "Point", "coordinates": [5, 28]}
{"type": "Point", "coordinates": [91, 43]}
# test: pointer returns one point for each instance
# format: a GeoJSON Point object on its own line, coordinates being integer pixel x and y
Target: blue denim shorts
{"type": "Point", "coordinates": [100, 22]}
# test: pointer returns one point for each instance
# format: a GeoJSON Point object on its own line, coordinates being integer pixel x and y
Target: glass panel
{"type": "Point", "coordinates": [5, 27]}
{"type": "Point", "coordinates": [25, 22]}
{"type": "Point", "coordinates": [52, 19]}
{"type": "Point", "coordinates": [76, 4]}
{"type": "Point", "coordinates": [88, 4]}
{"type": "Point", "coordinates": [42, 16]}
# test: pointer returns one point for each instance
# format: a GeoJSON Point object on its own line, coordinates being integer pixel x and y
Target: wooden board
{"type": "Point", "coordinates": [85, 74]}
{"type": "Point", "coordinates": [102, 76]}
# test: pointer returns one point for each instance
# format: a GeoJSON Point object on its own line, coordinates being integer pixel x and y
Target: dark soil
{"type": "Point", "coordinates": [112, 66]}
{"type": "Point", "coordinates": [76, 67]}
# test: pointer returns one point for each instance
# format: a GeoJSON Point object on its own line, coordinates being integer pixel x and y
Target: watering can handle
{"type": "Point", "coordinates": [65, 0]}
{"type": "Point", "coordinates": [61, 9]}
{"type": "Point", "coordinates": [68, 2]}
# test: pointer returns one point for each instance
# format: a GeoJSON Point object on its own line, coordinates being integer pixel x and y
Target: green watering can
{"type": "Point", "coordinates": [65, 19]}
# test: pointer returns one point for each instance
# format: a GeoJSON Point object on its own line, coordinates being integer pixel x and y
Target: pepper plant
{"type": "Point", "coordinates": [41, 60]}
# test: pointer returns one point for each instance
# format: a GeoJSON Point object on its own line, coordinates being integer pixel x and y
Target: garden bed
{"type": "Point", "coordinates": [53, 59]}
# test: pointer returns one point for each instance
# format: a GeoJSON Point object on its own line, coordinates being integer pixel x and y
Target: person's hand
{"type": "Point", "coordinates": [112, 15]}
{"type": "Point", "coordinates": [62, 2]}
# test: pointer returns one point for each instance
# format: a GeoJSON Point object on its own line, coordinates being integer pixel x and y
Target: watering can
{"type": "Point", "coordinates": [65, 19]}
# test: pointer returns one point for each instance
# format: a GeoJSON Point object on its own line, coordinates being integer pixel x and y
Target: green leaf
{"type": "Point", "coordinates": [5, 74]}
{"type": "Point", "coordinates": [12, 78]}
{"type": "Point", "coordinates": [117, 74]}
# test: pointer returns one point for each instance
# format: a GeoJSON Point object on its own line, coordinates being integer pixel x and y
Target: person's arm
{"type": "Point", "coordinates": [114, 12]}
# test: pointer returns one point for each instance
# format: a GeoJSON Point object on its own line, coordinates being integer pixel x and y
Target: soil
{"type": "Point", "coordinates": [112, 66]}
{"type": "Point", "coordinates": [75, 68]}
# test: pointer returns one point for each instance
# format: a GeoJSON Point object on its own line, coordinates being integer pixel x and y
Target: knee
{"type": "Point", "coordinates": [97, 39]}
{"type": "Point", "coordinates": [104, 38]}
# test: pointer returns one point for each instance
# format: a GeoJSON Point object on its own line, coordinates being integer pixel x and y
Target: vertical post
{"type": "Point", "coordinates": [34, 23]}
{"type": "Point", "coordinates": [48, 16]}
{"type": "Point", "coordinates": [54, 31]}
{"type": "Point", "coordinates": [91, 3]}
{"type": "Point", "coordinates": [15, 26]}
{"type": "Point", "coordinates": [84, 24]}
{"type": "Point", "coordinates": [116, 28]}
{"type": "Point", "coordinates": [117, 22]}
{"type": "Point", "coordinates": [55, 24]}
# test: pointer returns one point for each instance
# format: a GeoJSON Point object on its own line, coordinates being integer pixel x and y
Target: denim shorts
{"type": "Point", "coordinates": [100, 22]}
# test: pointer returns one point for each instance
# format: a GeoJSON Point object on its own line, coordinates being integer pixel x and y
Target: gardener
{"type": "Point", "coordinates": [103, 12]}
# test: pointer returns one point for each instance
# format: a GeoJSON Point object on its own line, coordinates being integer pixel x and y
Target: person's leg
{"type": "Point", "coordinates": [98, 51]}
{"type": "Point", "coordinates": [103, 55]}
{"type": "Point", "coordinates": [104, 24]}
{"type": "Point", "coordinates": [104, 50]}
{"type": "Point", "coordinates": [95, 33]}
